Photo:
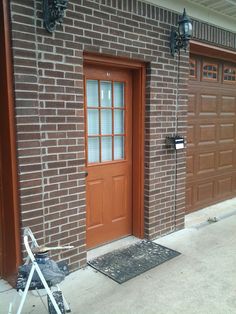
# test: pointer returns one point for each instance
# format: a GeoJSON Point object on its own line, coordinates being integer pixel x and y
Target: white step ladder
{"type": "Point", "coordinates": [34, 247]}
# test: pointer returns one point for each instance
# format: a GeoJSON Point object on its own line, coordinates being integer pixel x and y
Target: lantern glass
{"type": "Point", "coordinates": [185, 29]}
{"type": "Point", "coordinates": [182, 29]}
{"type": "Point", "coordinates": [188, 28]}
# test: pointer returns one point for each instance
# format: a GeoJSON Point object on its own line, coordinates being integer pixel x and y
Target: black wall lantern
{"type": "Point", "coordinates": [53, 13]}
{"type": "Point", "coordinates": [180, 37]}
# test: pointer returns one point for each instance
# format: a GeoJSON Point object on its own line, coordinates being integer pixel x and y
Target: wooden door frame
{"type": "Point", "coordinates": [10, 215]}
{"type": "Point", "coordinates": [139, 69]}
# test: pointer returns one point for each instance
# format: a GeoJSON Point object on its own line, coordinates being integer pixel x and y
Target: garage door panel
{"type": "Point", "coordinates": [211, 139]}
{"type": "Point", "coordinates": [191, 134]}
{"type": "Point", "coordinates": [227, 132]}
{"type": "Point", "coordinates": [228, 105]}
{"type": "Point", "coordinates": [205, 192]}
{"type": "Point", "coordinates": [208, 105]}
{"type": "Point", "coordinates": [207, 133]}
{"type": "Point", "coordinates": [226, 160]}
{"type": "Point", "coordinates": [190, 165]}
{"type": "Point", "coordinates": [206, 163]}
{"type": "Point", "coordinates": [189, 196]}
{"type": "Point", "coordinates": [224, 186]}
{"type": "Point", "coordinates": [192, 104]}
{"type": "Point", "coordinates": [234, 183]}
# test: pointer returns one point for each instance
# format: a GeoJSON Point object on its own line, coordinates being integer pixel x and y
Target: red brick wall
{"type": "Point", "coordinates": [48, 74]}
{"type": "Point", "coordinates": [50, 130]}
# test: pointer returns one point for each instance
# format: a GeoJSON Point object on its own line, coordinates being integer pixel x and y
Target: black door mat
{"type": "Point", "coordinates": [129, 262]}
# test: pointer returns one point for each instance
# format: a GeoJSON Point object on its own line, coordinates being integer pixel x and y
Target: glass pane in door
{"type": "Point", "coordinates": [106, 121]}
{"type": "Point", "coordinates": [106, 93]}
{"type": "Point", "coordinates": [118, 121]}
{"type": "Point", "coordinates": [118, 147]}
{"type": "Point", "coordinates": [106, 114]}
{"type": "Point", "coordinates": [106, 148]}
{"type": "Point", "coordinates": [93, 122]}
{"type": "Point", "coordinates": [93, 149]}
{"type": "Point", "coordinates": [92, 93]}
{"type": "Point", "coordinates": [118, 94]}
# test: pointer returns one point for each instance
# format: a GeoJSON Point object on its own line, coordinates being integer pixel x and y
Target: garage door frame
{"type": "Point", "coordinates": [212, 51]}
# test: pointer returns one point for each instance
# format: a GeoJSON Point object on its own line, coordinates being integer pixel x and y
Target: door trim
{"type": "Point", "coordinates": [11, 221]}
{"type": "Point", "coordinates": [138, 68]}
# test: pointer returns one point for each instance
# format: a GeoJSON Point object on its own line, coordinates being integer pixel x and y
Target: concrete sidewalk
{"type": "Point", "coordinates": [201, 280]}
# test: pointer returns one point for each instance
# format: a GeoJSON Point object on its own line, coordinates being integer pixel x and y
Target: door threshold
{"type": "Point", "coordinates": [112, 246]}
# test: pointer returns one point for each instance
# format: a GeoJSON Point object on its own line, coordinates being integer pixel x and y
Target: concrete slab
{"type": "Point", "coordinates": [201, 280]}
{"type": "Point", "coordinates": [219, 210]}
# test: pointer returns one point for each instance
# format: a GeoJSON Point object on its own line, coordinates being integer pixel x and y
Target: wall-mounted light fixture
{"type": "Point", "coordinates": [180, 37]}
{"type": "Point", "coordinates": [53, 13]}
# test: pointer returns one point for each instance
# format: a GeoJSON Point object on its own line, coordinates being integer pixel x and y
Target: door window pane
{"type": "Point", "coordinates": [118, 121]}
{"type": "Point", "coordinates": [106, 148]}
{"type": "Point", "coordinates": [118, 94]}
{"type": "Point", "coordinates": [93, 149]}
{"type": "Point", "coordinates": [92, 93]}
{"type": "Point", "coordinates": [93, 122]}
{"type": "Point", "coordinates": [106, 93]}
{"type": "Point", "coordinates": [118, 147]}
{"type": "Point", "coordinates": [106, 121]}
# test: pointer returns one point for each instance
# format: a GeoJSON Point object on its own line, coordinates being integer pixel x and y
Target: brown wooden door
{"type": "Point", "coordinates": [211, 150]}
{"type": "Point", "coordinates": [108, 107]}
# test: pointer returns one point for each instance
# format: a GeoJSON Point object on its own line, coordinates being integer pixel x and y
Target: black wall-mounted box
{"type": "Point", "coordinates": [176, 142]}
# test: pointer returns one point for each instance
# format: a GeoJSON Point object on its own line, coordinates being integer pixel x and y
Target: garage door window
{"type": "Point", "coordinates": [210, 72]}
{"type": "Point", "coordinates": [229, 74]}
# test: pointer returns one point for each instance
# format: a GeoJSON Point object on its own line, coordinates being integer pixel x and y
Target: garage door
{"type": "Point", "coordinates": [211, 138]}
